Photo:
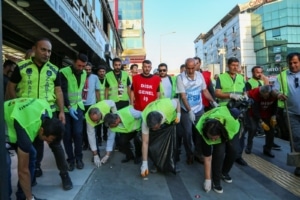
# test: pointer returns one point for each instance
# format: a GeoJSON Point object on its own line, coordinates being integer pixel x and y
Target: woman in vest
{"type": "Point", "coordinates": [219, 129]}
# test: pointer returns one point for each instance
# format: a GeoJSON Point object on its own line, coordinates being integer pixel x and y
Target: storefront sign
{"type": "Point", "coordinates": [78, 17]}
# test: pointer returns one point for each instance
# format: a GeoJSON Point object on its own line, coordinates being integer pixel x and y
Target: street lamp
{"type": "Point", "coordinates": [161, 35]}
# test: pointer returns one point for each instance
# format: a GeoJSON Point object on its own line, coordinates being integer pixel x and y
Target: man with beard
{"type": "Point", "coordinates": [145, 87]}
{"type": "Point", "coordinates": [168, 83]}
{"type": "Point", "coordinates": [72, 83]}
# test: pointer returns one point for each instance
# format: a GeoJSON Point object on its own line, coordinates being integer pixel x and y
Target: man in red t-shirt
{"type": "Point", "coordinates": [263, 111]}
{"type": "Point", "coordinates": [144, 88]}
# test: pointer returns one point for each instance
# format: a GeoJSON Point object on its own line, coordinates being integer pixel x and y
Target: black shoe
{"type": "Point", "coordinates": [38, 172]}
{"type": "Point", "coordinates": [248, 151]}
{"type": "Point", "coordinates": [226, 178]}
{"type": "Point", "coordinates": [66, 181]}
{"type": "Point", "coordinates": [268, 153]}
{"type": "Point", "coordinates": [71, 166]}
{"type": "Point", "coordinates": [276, 147]}
{"type": "Point", "coordinates": [241, 161]}
{"type": "Point", "coordinates": [79, 164]}
{"type": "Point", "coordinates": [258, 134]}
{"type": "Point", "coordinates": [218, 189]}
{"type": "Point", "coordinates": [297, 171]}
{"type": "Point", "coordinates": [34, 183]}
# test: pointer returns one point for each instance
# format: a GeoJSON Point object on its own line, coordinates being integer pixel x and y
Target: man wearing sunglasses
{"type": "Point", "coordinates": [168, 83]}
{"type": "Point", "coordinates": [287, 89]}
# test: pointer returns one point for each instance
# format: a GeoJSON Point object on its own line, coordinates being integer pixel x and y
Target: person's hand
{"type": "Point", "coordinates": [207, 185]}
{"type": "Point", "coordinates": [177, 120]}
{"type": "Point", "coordinates": [144, 169]}
{"type": "Point", "coordinates": [235, 96]}
{"type": "Point", "coordinates": [245, 97]}
{"type": "Point", "coordinates": [264, 126]}
{"type": "Point", "coordinates": [113, 109]}
{"type": "Point", "coordinates": [104, 159]}
{"type": "Point", "coordinates": [281, 97]}
{"type": "Point", "coordinates": [192, 116]}
{"type": "Point", "coordinates": [215, 104]}
{"type": "Point", "coordinates": [73, 113]}
{"type": "Point", "coordinates": [273, 121]}
{"type": "Point", "coordinates": [97, 161]}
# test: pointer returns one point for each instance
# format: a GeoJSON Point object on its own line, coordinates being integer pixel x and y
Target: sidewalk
{"type": "Point", "coordinates": [49, 184]}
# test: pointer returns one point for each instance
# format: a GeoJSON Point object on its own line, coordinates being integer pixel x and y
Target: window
{"type": "Point", "coordinates": [276, 32]}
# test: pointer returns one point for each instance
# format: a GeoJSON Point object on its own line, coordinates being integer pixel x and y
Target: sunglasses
{"type": "Point", "coordinates": [162, 70]}
{"type": "Point", "coordinates": [296, 80]}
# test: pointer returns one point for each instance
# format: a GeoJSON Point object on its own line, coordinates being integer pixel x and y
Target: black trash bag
{"type": "Point", "coordinates": [162, 148]}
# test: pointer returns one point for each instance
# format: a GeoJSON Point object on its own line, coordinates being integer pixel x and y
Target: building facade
{"type": "Point", "coordinates": [73, 26]}
{"type": "Point", "coordinates": [258, 32]}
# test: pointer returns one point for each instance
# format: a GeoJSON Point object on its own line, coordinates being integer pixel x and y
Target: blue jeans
{"type": "Point", "coordinates": [8, 164]}
{"type": "Point", "coordinates": [73, 133]}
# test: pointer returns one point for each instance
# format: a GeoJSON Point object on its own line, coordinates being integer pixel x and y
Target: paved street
{"type": "Point", "coordinates": [116, 180]}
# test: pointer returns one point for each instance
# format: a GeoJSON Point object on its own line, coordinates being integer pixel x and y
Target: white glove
{"type": "Point", "coordinates": [97, 161]}
{"type": "Point", "coordinates": [245, 97]}
{"type": "Point", "coordinates": [235, 96]}
{"type": "Point", "coordinates": [207, 185]}
{"type": "Point", "coordinates": [144, 169]}
{"type": "Point", "coordinates": [215, 104]}
{"type": "Point", "coordinates": [104, 159]}
{"type": "Point", "coordinates": [192, 116]}
{"type": "Point", "coordinates": [31, 198]}
{"type": "Point", "coordinates": [177, 120]}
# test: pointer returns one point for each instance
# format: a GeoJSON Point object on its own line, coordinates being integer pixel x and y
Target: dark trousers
{"type": "Point", "coordinates": [120, 105]}
{"type": "Point", "coordinates": [57, 150]}
{"type": "Point", "coordinates": [244, 129]}
{"type": "Point", "coordinates": [223, 157]}
{"type": "Point", "coordinates": [125, 146]}
{"type": "Point", "coordinates": [73, 133]}
{"type": "Point", "coordinates": [269, 139]}
{"type": "Point", "coordinates": [85, 140]}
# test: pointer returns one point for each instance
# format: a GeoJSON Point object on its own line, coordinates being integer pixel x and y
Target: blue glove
{"type": "Point", "coordinates": [73, 113]}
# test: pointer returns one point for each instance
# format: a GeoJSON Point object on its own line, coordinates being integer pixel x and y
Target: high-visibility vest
{"type": "Point", "coordinates": [114, 87]}
{"type": "Point", "coordinates": [27, 112]}
{"type": "Point", "coordinates": [255, 83]}
{"type": "Point", "coordinates": [284, 89]}
{"type": "Point", "coordinates": [130, 123]}
{"type": "Point", "coordinates": [173, 83]}
{"type": "Point", "coordinates": [164, 106]}
{"type": "Point", "coordinates": [103, 107]}
{"type": "Point", "coordinates": [102, 89]}
{"type": "Point", "coordinates": [230, 86]}
{"type": "Point", "coordinates": [74, 91]}
{"type": "Point", "coordinates": [222, 114]}
{"type": "Point", "coordinates": [37, 84]}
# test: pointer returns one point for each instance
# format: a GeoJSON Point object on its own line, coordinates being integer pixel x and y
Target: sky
{"type": "Point", "coordinates": [188, 19]}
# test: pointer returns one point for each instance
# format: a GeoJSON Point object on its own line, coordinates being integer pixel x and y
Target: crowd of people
{"type": "Point", "coordinates": [83, 109]}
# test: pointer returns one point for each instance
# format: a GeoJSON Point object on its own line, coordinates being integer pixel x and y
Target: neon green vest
{"type": "Point", "coordinates": [173, 83]}
{"type": "Point", "coordinates": [162, 105]}
{"type": "Point", "coordinates": [228, 86]}
{"type": "Point", "coordinates": [283, 87]}
{"type": "Point", "coordinates": [130, 124]}
{"type": "Point", "coordinates": [35, 84]}
{"type": "Point", "coordinates": [104, 109]}
{"type": "Point", "coordinates": [28, 112]}
{"type": "Point", "coordinates": [102, 89]}
{"type": "Point", "coordinates": [113, 87]}
{"type": "Point", "coordinates": [223, 115]}
{"type": "Point", "coordinates": [255, 83]}
{"type": "Point", "coordinates": [74, 92]}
